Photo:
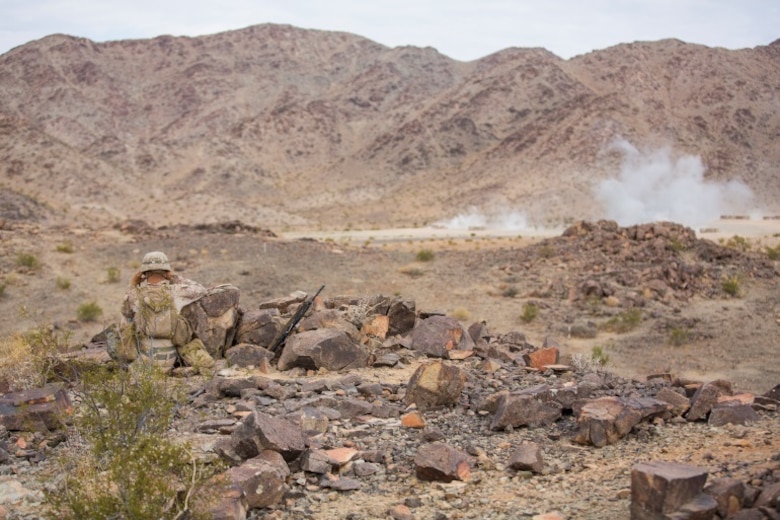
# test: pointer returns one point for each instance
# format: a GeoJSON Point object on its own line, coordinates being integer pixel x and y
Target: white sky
{"type": "Point", "coordinates": [461, 29]}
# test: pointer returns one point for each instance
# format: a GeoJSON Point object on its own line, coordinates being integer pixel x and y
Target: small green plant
{"type": "Point", "coordinates": [424, 255]}
{"type": "Point", "coordinates": [122, 461]}
{"type": "Point", "coordinates": [598, 355]}
{"type": "Point", "coordinates": [678, 336]}
{"type": "Point", "coordinates": [409, 270]}
{"type": "Point", "coordinates": [546, 251]}
{"type": "Point", "coordinates": [461, 314]}
{"type": "Point", "coordinates": [530, 312]}
{"type": "Point", "coordinates": [27, 359]}
{"type": "Point", "coordinates": [739, 243]}
{"type": "Point", "coordinates": [624, 322]}
{"type": "Point", "coordinates": [114, 275]}
{"type": "Point", "coordinates": [28, 260]}
{"type": "Point", "coordinates": [89, 311]}
{"type": "Point", "coordinates": [676, 244]}
{"type": "Point", "coordinates": [63, 283]}
{"type": "Point", "coordinates": [65, 247]}
{"type": "Point", "coordinates": [731, 286]}
{"type": "Point", "coordinates": [773, 252]}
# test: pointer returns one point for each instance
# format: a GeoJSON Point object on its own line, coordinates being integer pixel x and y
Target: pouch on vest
{"type": "Point", "coordinates": [157, 316]}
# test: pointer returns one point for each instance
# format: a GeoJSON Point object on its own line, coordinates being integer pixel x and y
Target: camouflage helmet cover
{"type": "Point", "coordinates": [155, 261]}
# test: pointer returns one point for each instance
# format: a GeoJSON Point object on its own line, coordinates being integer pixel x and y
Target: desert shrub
{"type": "Point", "coordinates": [89, 311]}
{"type": "Point", "coordinates": [424, 255]}
{"type": "Point", "coordinates": [121, 460]}
{"type": "Point", "coordinates": [624, 322]}
{"type": "Point", "coordinates": [773, 252]}
{"type": "Point", "coordinates": [675, 244]}
{"type": "Point", "coordinates": [546, 251]}
{"type": "Point", "coordinates": [678, 336]}
{"type": "Point", "coordinates": [114, 274]}
{"type": "Point", "coordinates": [599, 355]}
{"type": "Point", "coordinates": [65, 247]}
{"type": "Point", "coordinates": [27, 359]}
{"type": "Point", "coordinates": [2, 288]}
{"type": "Point", "coordinates": [509, 292]}
{"type": "Point", "coordinates": [739, 243]}
{"type": "Point", "coordinates": [530, 312]}
{"type": "Point", "coordinates": [409, 270]}
{"type": "Point", "coordinates": [28, 260]}
{"type": "Point", "coordinates": [731, 286]}
{"type": "Point", "coordinates": [461, 314]}
{"type": "Point", "coordinates": [63, 283]}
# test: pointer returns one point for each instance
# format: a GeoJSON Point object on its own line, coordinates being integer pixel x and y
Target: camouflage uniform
{"type": "Point", "coordinates": [152, 326]}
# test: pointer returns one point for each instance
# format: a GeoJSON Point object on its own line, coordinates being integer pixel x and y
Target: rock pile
{"type": "Point", "coordinates": [337, 413]}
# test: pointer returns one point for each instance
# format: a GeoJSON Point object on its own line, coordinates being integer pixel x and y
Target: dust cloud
{"type": "Point", "coordinates": [656, 185]}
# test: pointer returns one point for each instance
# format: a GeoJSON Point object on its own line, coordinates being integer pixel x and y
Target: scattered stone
{"type": "Point", "coordinates": [706, 397]}
{"type": "Point", "coordinates": [246, 355]}
{"type": "Point", "coordinates": [435, 385]}
{"type": "Point", "coordinates": [732, 414]}
{"type": "Point", "coordinates": [262, 478]}
{"type": "Point", "coordinates": [259, 431]}
{"type": "Point", "coordinates": [440, 462]}
{"type": "Point", "coordinates": [330, 349]}
{"type": "Point", "coordinates": [437, 335]}
{"type": "Point", "coordinates": [660, 488]}
{"type": "Point", "coordinates": [679, 403]}
{"type": "Point", "coordinates": [605, 420]}
{"type": "Point", "coordinates": [38, 409]}
{"type": "Point", "coordinates": [413, 419]}
{"type": "Point", "coordinates": [533, 406]}
{"type": "Point", "coordinates": [539, 359]}
{"type": "Point", "coordinates": [528, 457]}
{"type": "Point", "coordinates": [729, 493]}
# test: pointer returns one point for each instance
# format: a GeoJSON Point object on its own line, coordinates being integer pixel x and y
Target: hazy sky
{"type": "Point", "coordinates": [461, 29]}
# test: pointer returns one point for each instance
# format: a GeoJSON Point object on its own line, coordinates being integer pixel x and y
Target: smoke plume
{"type": "Point", "coordinates": [655, 186]}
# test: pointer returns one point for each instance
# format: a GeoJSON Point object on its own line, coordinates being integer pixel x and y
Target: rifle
{"type": "Point", "coordinates": [287, 330]}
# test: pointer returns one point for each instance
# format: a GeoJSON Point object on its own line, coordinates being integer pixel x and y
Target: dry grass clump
{"type": "Point", "coordinates": [27, 359]}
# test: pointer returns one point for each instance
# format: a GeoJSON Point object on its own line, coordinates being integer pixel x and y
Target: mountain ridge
{"type": "Point", "coordinates": [286, 127]}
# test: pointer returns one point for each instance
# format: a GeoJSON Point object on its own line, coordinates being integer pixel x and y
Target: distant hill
{"type": "Point", "coordinates": [278, 126]}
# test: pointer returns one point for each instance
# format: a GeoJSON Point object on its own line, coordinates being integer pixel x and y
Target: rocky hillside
{"type": "Point", "coordinates": [278, 125]}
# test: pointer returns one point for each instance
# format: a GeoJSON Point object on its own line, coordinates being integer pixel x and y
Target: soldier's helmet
{"type": "Point", "coordinates": [155, 261]}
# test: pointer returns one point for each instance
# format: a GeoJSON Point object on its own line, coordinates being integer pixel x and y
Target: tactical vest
{"type": "Point", "coordinates": [156, 322]}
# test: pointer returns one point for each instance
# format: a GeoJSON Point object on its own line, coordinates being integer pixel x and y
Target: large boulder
{"type": "Point", "coordinates": [258, 327]}
{"type": "Point", "coordinates": [323, 348]}
{"type": "Point", "coordinates": [437, 335]}
{"type": "Point", "coordinates": [435, 385]}
{"type": "Point", "coordinates": [214, 318]}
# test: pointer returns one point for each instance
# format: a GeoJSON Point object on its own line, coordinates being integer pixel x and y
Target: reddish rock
{"type": "Point", "coordinates": [660, 488]}
{"type": "Point", "coordinates": [435, 385]}
{"type": "Point", "coordinates": [729, 493]}
{"type": "Point", "coordinates": [528, 457]}
{"type": "Point", "coordinates": [706, 397]}
{"type": "Point", "coordinates": [263, 479]}
{"type": "Point", "coordinates": [437, 335]}
{"type": "Point", "coordinates": [539, 359]}
{"type": "Point", "coordinates": [259, 431]}
{"type": "Point", "coordinates": [38, 409]}
{"type": "Point", "coordinates": [534, 406]}
{"type": "Point", "coordinates": [680, 404]}
{"type": "Point", "coordinates": [442, 463]}
{"type": "Point", "coordinates": [607, 419]}
{"type": "Point", "coordinates": [413, 419]}
{"type": "Point", "coordinates": [732, 414]}
{"type": "Point", "coordinates": [331, 349]}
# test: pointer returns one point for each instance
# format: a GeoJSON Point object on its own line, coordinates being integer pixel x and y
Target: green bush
{"type": "Point", "coordinates": [424, 255]}
{"type": "Point", "coordinates": [65, 247]}
{"type": "Point", "coordinates": [598, 355]}
{"type": "Point", "coordinates": [122, 461]}
{"type": "Point", "coordinates": [530, 312]}
{"type": "Point", "coordinates": [63, 283]}
{"type": "Point", "coordinates": [624, 322]}
{"type": "Point", "coordinates": [773, 252]}
{"type": "Point", "coordinates": [739, 243]}
{"type": "Point", "coordinates": [731, 286]}
{"type": "Point", "coordinates": [114, 275]}
{"type": "Point", "coordinates": [28, 260]}
{"type": "Point", "coordinates": [510, 292]}
{"type": "Point", "coordinates": [89, 311]}
{"type": "Point", "coordinates": [678, 336]}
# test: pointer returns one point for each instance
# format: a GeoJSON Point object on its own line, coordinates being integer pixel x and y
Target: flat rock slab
{"type": "Point", "coordinates": [38, 409]}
